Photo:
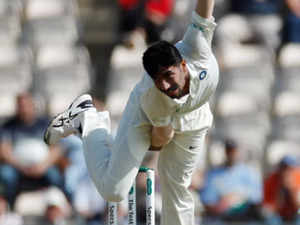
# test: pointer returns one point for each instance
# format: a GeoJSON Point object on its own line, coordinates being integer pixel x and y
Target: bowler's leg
{"type": "Point", "coordinates": [113, 165]}
{"type": "Point", "coordinates": [176, 164]}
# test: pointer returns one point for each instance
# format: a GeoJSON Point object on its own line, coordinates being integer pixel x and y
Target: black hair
{"type": "Point", "coordinates": [160, 54]}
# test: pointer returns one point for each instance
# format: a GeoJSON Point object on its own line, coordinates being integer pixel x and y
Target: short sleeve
{"type": "Point", "coordinates": [206, 26]}
{"type": "Point", "coordinates": [196, 43]}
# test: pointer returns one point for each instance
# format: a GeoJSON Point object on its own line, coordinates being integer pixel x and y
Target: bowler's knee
{"type": "Point", "coordinates": [110, 192]}
{"type": "Point", "coordinates": [113, 196]}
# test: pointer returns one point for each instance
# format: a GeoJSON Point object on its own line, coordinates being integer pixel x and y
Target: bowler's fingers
{"type": "Point", "coordinates": [161, 136]}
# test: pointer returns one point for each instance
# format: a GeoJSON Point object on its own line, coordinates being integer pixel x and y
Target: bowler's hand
{"type": "Point", "coordinates": [160, 136]}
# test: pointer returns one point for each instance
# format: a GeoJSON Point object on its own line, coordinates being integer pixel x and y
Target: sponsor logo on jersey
{"type": "Point", "coordinates": [202, 74]}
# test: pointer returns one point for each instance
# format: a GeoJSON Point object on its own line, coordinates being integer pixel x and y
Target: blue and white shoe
{"type": "Point", "coordinates": [68, 122]}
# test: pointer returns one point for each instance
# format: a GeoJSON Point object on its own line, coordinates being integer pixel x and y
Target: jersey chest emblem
{"type": "Point", "coordinates": [202, 74]}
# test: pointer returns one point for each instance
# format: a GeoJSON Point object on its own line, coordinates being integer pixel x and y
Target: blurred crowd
{"type": "Point", "coordinates": [53, 50]}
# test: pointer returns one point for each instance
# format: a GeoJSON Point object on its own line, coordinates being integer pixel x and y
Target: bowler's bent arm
{"type": "Point", "coordinates": [161, 136]}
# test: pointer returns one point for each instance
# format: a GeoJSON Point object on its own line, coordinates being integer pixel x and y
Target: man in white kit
{"type": "Point", "coordinates": [168, 110]}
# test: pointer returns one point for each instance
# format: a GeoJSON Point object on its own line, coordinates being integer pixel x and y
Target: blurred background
{"type": "Point", "coordinates": [51, 51]}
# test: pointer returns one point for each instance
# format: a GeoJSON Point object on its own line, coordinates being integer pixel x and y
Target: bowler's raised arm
{"type": "Point", "coordinates": [204, 8]}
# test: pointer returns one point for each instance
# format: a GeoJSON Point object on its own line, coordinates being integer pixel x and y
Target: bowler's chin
{"type": "Point", "coordinates": [174, 94]}
{"type": "Point", "coordinates": [177, 94]}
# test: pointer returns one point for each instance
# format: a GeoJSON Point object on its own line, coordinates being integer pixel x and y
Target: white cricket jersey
{"type": "Point", "coordinates": [192, 111]}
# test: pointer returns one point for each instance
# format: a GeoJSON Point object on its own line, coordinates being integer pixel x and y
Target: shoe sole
{"type": "Point", "coordinates": [47, 133]}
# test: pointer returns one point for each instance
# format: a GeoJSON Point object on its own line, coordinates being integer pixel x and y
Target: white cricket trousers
{"type": "Point", "coordinates": [114, 164]}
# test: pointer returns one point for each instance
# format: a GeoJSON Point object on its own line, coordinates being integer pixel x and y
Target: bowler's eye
{"type": "Point", "coordinates": [168, 74]}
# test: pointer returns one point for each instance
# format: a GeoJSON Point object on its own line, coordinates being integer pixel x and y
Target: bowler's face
{"type": "Point", "coordinates": [173, 80]}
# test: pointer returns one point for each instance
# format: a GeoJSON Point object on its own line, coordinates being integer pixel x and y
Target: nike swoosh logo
{"type": "Point", "coordinates": [85, 104]}
{"type": "Point", "coordinates": [192, 147]}
{"type": "Point", "coordinates": [72, 116]}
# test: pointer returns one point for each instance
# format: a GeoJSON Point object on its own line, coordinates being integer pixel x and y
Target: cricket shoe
{"type": "Point", "coordinates": [68, 122]}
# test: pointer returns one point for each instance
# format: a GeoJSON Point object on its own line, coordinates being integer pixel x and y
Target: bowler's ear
{"type": "Point", "coordinates": [183, 64]}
